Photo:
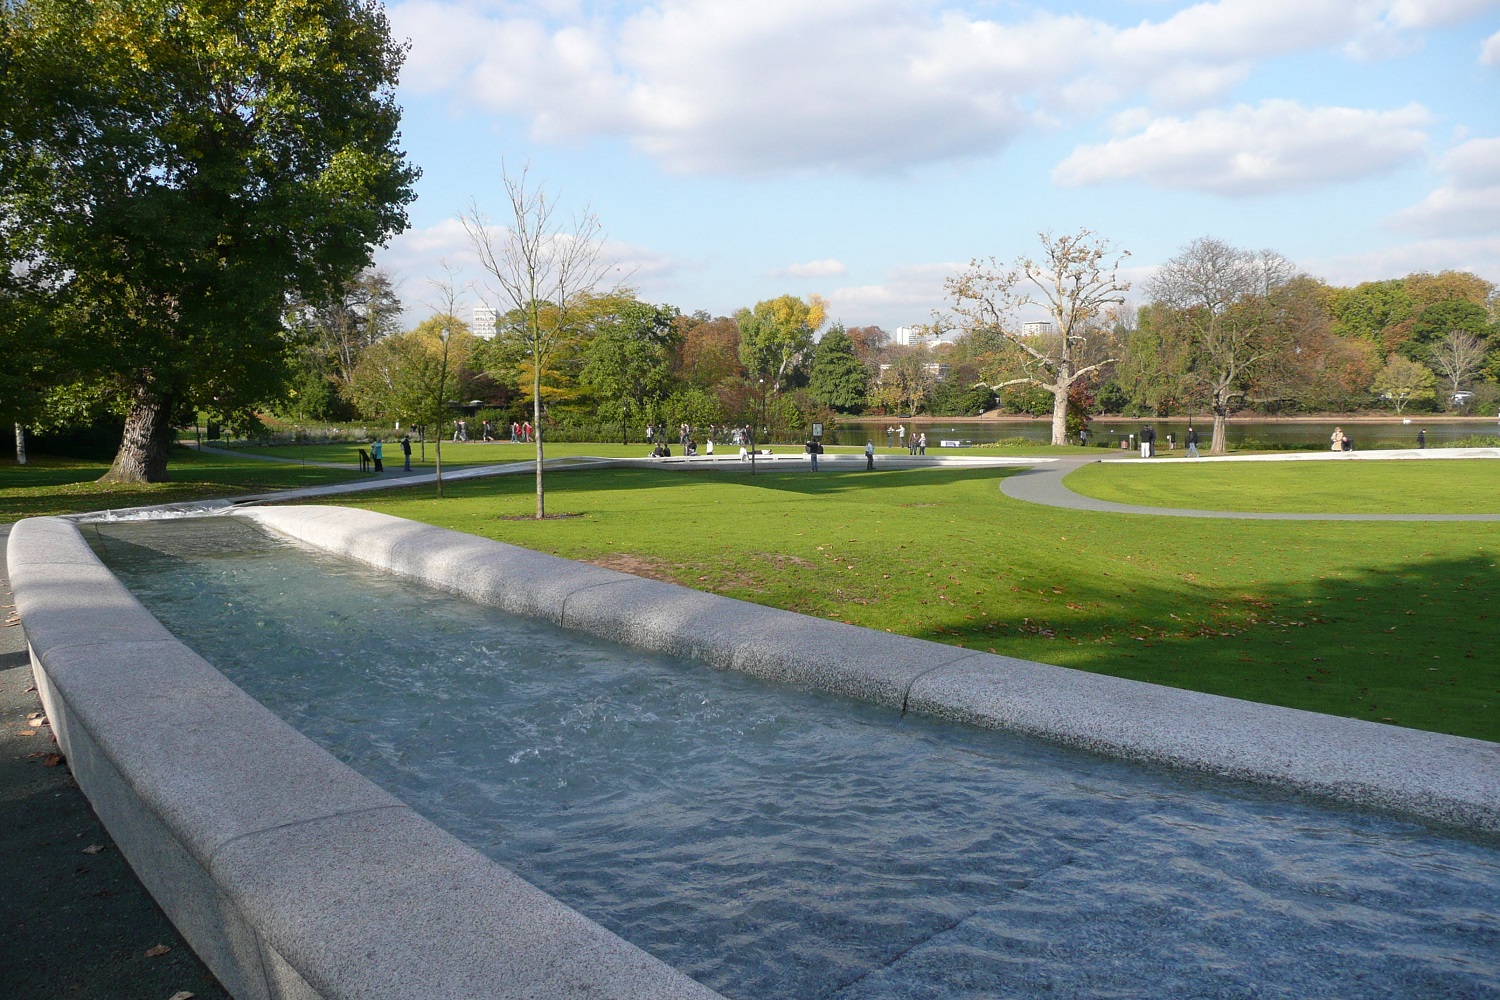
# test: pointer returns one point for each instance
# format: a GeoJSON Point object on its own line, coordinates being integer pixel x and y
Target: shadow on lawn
{"type": "Point", "coordinates": [1411, 644]}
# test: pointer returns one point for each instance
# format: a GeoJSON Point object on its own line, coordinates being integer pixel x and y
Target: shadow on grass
{"type": "Point", "coordinates": [1411, 644]}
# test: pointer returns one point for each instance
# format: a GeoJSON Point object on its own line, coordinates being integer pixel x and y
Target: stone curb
{"type": "Point", "coordinates": [1448, 780]}
{"type": "Point", "coordinates": [287, 872]}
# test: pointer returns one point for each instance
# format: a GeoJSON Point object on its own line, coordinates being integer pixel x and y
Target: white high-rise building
{"type": "Point", "coordinates": [484, 322]}
{"type": "Point", "coordinates": [913, 336]}
{"type": "Point", "coordinates": [1037, 328]}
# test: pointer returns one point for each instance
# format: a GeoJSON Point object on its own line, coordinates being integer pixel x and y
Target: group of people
{"type": "Point", "coordinates": [520, 433]}
{"type": "Point", "coordinates": [377, 453]}
{"type": "Point", "coordinates": [1148, 441]}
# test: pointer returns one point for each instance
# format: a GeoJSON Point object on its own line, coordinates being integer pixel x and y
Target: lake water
{"type": "Point", "coordinates": [774, 843]}
{"type": "Point", "coordinates": [1246, 433]}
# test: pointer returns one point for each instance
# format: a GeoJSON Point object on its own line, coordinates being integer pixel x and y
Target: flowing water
{"type": "Point", "coordinates": [774, 843]}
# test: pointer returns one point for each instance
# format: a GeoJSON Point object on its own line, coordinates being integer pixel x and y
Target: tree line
{"type": "Point", "coordinates": [1219, 330]}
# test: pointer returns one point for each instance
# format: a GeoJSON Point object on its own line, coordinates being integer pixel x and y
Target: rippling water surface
{"type": "Point", "coordinates": [776, 843]}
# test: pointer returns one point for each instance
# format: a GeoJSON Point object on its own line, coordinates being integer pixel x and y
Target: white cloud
{"type": "Point", "coordinates": [1489, 52]}
{"type": "Point", "coordinates": [909, 294]}
{"type": "Point", "coordinates": [812, 269]}
{"type": "Point", "coordinates": [858, 85]}
{"type": "Point", "coordinates": [1277, 146]}
{"type": "Point", "coordinates": [1469, 202]}
{"type": "Point", "coordinates": [412, 258]}
{"type": "Point", "coordinates": [1480, 255]}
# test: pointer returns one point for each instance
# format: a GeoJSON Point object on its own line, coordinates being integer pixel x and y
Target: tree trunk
{"type": "Point", "coordinates": [1220, 443]}
{"type": "Point", "coordinates": [1059, 413]}
{"type": "Point", "coordinates": [437, 444]}
{"type": "Point", "coordinates": [536, 430]}
{"type": "Point", "coordinates": [147, 440]}
{"type": "Point", "coordinates": [20, 443]}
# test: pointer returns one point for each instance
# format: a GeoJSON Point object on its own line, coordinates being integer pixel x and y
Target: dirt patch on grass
{"type": "Point", "coordinates": [533, 517]}
{"type": "Point", "coordinates": [782, 561]}
{"type": "Point", "coordinates": [651, 569]}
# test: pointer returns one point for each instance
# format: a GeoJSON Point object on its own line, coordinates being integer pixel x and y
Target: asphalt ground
{"type": "Point", "coordinates": [74, 921]}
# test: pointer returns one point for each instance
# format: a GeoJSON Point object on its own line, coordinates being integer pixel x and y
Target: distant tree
{"type": "Point", "coordinates": [908, 381]}
{"type": "Point", "coordinates": [543, 267]}
{"type": "Point", "coordinates": [776, 337]}
{"type": "Point", "coordinates": [869, 342]}
{"type": "Point", "coordinates": [173, 171]}
{"type": "Point", "coordinates": [839, 380]}
{"type": "Point", "coordinates": [1457, 358]}
{"type": "Point", "coordinates": [1404, 381]}
{"type": "Point", "coordinates": [1218, 297]}
{"type": "Point", "coordinates": [414, 377]}
{"type": "Point", "coordinates": [709, 351]}
{"type": "Point", "coordinates": [332, 332]}
{"type": "Point", "coordinates": [627, 362]}
{"type": "Point", "coordinates": [1076, 281]}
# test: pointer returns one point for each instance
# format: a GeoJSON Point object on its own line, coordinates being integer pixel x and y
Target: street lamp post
{"type": "Point", "coordinates": [754, 427]}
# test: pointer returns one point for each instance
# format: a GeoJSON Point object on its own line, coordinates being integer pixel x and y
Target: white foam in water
{"type": "Point", "coordinates": [775, 843]}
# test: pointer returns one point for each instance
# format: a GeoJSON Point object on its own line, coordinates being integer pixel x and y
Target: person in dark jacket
{"type": "Point", "coordinates": [1192, 441]}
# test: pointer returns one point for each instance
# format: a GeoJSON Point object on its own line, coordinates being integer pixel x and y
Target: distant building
{"type": "Point", "coordinates": [914, 336]}
{"type": "Point", "coordinates": [484, 322]}
{"type": "Point", "coordinates": [1037, 328]}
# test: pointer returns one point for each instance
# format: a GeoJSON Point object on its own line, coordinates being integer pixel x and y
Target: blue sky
{"type": "Point", "coordinates": [862, 150]}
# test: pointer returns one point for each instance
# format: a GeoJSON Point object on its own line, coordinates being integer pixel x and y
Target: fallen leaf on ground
{"type": "Point", "coordinates": [30, 689]}
{"type": "Point", "coordinates": [182, 995]}
{"type": "Point", "coordinates": [52, 760]}
{"type": "Point", "coordinates": [28, 732]}
{"type": "Point", "coordinates": [93, 849]}
{"type": "Point", "coordinates": [158, 951]}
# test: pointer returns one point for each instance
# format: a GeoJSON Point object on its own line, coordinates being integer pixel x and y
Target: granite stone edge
{"type": "Point", "coordinates": [533, 946]}
{"type": "Point", "coordinates": [1452, 781]}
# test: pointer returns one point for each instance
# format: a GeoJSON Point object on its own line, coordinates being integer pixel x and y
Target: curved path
{"type": "Point", "coordinates": [1044, 485]}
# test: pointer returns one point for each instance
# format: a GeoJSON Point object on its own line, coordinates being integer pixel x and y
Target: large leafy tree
{"type": "Point", "coordinates": [173, 170]}
{"type": "Point", "coordinates": [776, 337]}
{"type": "Point", "coordinates": [839, 380]}
{"type": "Point", "coordinates": [628, 361]}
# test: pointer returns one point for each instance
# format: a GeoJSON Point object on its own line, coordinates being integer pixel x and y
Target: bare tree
{"type": "Point", "coordinates": [1077, 282]}
{"type": "Point", "coordinates": [1217, 295]}
{"type": "Point", "coordinates": [542, 266]}
{"type": "Point", "coordinates": [1458, 358]}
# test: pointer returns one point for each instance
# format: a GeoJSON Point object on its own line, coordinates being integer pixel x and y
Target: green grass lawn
{"type": "Point", "coordinates": [1382, 621]}
{"type": "Point", "coordinates": [46, 486]}
{"type": "Point", "coordinates": [1428, 486]}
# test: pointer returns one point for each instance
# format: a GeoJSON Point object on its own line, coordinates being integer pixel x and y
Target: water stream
{"type": "Point", "coordinates": [774, 843]}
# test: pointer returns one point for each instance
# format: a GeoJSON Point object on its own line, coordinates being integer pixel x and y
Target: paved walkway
{"type": "Point", "coordinates": [74, 922]}
{"type": "Point", "coordinates": [1044, 485]}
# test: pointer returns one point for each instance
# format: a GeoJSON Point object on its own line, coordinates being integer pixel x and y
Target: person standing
{"type": "Point", "coordinates": [812, 452]}
{"type": "Point", "coordinates": [526, 432]}
{"type": "Point", "coordinates": [1192, 441]}
{"type": "Point", "coordinates": [1422, 438]}
{"type": "Point", "coordinates": [922, 444]}
{"type": "Point", "coordinates": [901, 435]}
{"type": "Point", "coordinates": [890, 436]}
{"type": "Point", "coordinates": [869, 456]}
{"type": "Point", "coordinates": [406, 452]}
{"type": "Point", "coordinates": [1148, 441]}
{"type": "Point", "coordinates": [376, 454]}
{"type": "Point", "coordinates": [1336, 439]}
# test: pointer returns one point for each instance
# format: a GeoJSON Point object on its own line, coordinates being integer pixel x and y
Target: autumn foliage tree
{"type": "Point", "coordinates": [1076, 282]}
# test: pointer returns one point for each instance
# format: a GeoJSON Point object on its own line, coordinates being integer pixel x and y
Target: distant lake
{"type": "Point", "coordinates": [1243, 433]}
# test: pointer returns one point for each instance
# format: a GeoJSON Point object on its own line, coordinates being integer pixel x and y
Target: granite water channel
{"type": "Point", "coordinates": [771, 842]}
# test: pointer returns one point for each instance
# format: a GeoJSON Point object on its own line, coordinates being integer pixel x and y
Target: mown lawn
{"type": "Point", "coordinates": [1426, 486]}
{"type": "Point", "coordinates": [49, 486]}
{"type": "Point", "coordinates": [1382, 621]}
